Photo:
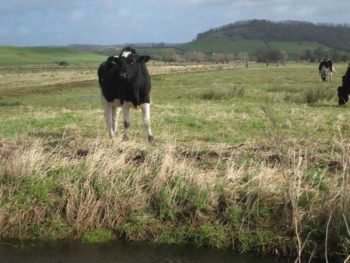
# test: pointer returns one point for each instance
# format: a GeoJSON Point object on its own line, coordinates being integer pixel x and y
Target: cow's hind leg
{"type": "Point", "coordinates": [126, 116]}
{"type": "Point", "coordinates": [107, 106]}
{"type": "Point", "coordinates": [146, 114]}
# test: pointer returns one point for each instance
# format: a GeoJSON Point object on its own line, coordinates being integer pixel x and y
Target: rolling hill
{"type": "Point", "coordinates": [290, 36]}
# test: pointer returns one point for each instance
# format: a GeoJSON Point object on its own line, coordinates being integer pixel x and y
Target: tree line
{"type": "Point", "coordinates": [264, 55]}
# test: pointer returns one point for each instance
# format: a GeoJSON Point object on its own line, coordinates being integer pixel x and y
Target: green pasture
{"type": "Point", "coordinates": [45, 55]}
{"type": "Point", "coordinates": [228, 106]}
{"type": "Point", "coordinates": [252, 159]}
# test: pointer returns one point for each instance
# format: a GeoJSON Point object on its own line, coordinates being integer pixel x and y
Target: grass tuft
{"type": "Point", "coordinates": [97, 236]}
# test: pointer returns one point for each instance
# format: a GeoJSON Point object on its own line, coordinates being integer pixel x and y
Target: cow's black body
{"type": "Point", "coordinates": [126, 79]}
{"type": "Point", "coordinates": [108, 80]}
{"type": "Point", "coordinates": [344, 90]}
{"type": "Point", "coordinates": [125, 82]}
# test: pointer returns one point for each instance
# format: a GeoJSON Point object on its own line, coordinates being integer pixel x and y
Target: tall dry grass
{"type": "Point", "coordinates": [275, 198]}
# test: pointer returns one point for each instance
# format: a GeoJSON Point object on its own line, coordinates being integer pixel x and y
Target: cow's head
{"type": "Point", "coordinates": [131, 65]}
{"type": "Point", "coordinates": [127, 51]}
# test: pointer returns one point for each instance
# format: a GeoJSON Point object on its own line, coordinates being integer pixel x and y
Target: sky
{"type": "Point", "coordinates": [107, 22]}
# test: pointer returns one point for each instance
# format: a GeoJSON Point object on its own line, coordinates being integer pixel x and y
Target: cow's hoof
{"type": "Point", "coordinates": [151, 140]}
{"type": "Point", "coordinates": [341, 102]}
{"type": "Point", "coordinates": [125, 137]}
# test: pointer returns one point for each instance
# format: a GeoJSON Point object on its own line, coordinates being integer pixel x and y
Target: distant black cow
{"type": "Point", "coordinates": [344, 90]}
{"type": "Point", "coordinates": [125, 83]}
{"type": "Point", "coordinates": [326, 69]}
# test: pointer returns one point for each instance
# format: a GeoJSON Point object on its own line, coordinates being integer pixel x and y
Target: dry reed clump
{"type": "Point", "coordinates": [274, 199]}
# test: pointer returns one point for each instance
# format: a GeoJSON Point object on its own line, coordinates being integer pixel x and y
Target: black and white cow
{"type": "Point", "coordinates": [125, 83]}
{"type": "Point", "coordinates": [344, 90]}
{"type": "Point", "coordinates": [326, 69]}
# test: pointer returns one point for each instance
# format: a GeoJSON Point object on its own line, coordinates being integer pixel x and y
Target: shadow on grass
{"type": "Point", "coordinates": [9, 103]}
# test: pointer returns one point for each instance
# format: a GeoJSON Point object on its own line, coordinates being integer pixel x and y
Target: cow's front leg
{"type": "Point", "coordinates": [115, 115]}
{"type": "Point", "coordinates": [126, 116]}
{"type": "Point", "coordinates": [108, 116]}
{"type": "Point", "coordinates": [146, 114]}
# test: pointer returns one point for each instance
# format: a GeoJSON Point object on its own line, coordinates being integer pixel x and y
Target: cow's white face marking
{"type": "Point", "coordinates": [126, 54]}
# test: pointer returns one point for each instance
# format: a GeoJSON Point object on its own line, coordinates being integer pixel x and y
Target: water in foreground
{"type": "Point", "coordinates": [121, 252]}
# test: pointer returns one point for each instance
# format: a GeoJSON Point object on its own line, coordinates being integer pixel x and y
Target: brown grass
{"type": "Point", "coordinates": [268, 197]}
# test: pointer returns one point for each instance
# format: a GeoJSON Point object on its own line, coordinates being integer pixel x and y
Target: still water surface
{"type": "Point", "coordinates": [121, 252]}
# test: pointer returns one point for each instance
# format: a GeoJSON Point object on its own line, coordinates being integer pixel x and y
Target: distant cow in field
{"type": "Point", "coordinates": [344, 90]}
{"type": "Point", "coordinates": [326, 69]}
{"type": "Point", "coordinates": [125, 83]}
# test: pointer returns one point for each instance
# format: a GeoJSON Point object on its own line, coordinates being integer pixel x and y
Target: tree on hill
{"type": "Point", "coordinates": [307, 55]}
{"type": "Point", "coordinates": [283, 56]}
{"type": "Point", "coordinates": [218, 57]}
{"type": "Point", "coordinates": [320, 54]}
{"type": "Point", "coordinates": [196, 56]}
{"type": "Point", "coordinates": [242, 56]}
{"type": "Point", "coordinates": [335, 55]}
{"type": "Point", "coordinates": [270, 55]}
{"type": "Point", "coordinates": [344, 57]}
{"type": "Point", "coordinates": [170, 55]}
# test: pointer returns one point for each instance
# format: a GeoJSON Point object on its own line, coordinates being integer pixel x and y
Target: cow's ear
{"type": "Point", "coordinates": [143, 59]}
{"type": "Point", "coordinates": [112, 59]}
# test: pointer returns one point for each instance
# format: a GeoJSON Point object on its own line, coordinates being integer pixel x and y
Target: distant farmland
{"type": "Point", "coordinates": [46, 55]}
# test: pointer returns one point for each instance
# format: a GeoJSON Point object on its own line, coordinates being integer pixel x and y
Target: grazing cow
{"type": "Point", "coordinates": [326, 69]}
{"type": "Point", "coordinates": [125, 83]}
{"type": "Point", "coordinates": [344, 90]}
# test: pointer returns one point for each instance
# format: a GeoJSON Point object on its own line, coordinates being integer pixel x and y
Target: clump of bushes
{"type": "Point", "coordinates": [62, 63]}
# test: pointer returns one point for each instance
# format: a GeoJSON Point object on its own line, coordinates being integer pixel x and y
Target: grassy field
{"type": "Point", "coordinates": [45, 55]}
{"type": "Point", "coordinates": [252, 159]}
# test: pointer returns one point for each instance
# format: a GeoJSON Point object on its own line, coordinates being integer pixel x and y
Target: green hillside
{"type": "Point", "coordinates": [46, 55]}
{"type": "Point", "coordinates": [290, 36]}
{"type": "Point", "coordinates": [250, 46]}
